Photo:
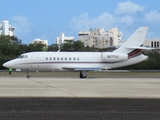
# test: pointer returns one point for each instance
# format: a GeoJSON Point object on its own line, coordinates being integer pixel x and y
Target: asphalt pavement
{"type": "Point", "coordinates": [79, 109]}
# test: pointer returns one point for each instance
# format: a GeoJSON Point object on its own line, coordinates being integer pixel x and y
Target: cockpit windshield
{"type": "Point", "coordinates": [22, 56]}
{"type": "Point", "coordinates": [19, 56]}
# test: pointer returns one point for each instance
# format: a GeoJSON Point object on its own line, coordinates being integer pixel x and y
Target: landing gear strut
{"type": "Point", "coordinates": [27, 76]}
{"type": "Point", "coordinates": [83, 74]}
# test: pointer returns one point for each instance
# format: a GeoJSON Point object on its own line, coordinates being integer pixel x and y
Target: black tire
{"type": "Point", "coordinates": [28, 76]}
{"type": "Point", "coordinates": [81, 76]}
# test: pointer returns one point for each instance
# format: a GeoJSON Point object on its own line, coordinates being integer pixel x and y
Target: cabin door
{"type": "Point", "coordinates": [34, 62]}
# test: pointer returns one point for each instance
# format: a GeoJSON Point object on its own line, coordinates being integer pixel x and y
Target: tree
{"type": "Point", "coordinates": [67, 46]}
{"type": "Point", "coordinates": [78, 45]}
{"type": "Point", "coordinates": [151, 63]}
{"type": "Point", "coordinates": [71, 45]}
{"type": "Point", "coordinates": [37, 46]}
{"type": "Point", "coordinates": [9, 45]}
{"type": "Point", "coordinates": [9, 48]}
{"type": "Point", "coordinates": [53, 47]}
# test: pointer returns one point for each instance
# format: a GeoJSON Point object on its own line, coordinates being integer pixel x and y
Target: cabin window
{"type": "Point", "coordinates": [50, 58]}
{"type": "Point", "coordinates": [69, 58]}
{"type": "Point", "coordinates": [77, 58]}
{"type": "Point", "coordinates": [74, 58]}
{"type": "Point", "coordinates": [65, 58]}
{"type": "Point", "coordinates": [61, 58]}
{"type": "Point", "coordinates": [57, 58]}
{"type": "Point", "coordinates": [46, 58]}
{"type": "Point", "coordinates": [54, 58]}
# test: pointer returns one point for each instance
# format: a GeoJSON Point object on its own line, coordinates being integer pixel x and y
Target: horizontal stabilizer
{"type": "Point", "coordinates": [142, 48]}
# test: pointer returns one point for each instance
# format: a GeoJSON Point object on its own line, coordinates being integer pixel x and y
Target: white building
{"type": "Point", "coordinates": [6, 29]}
{"type": "Point", "coordinates": [61, 39]}
{"type": "Point", "coordinates": [117, 36]}
{"type": "Point", "coordinates": [37, 40]}
{"type": "Point", "coordinates": [152, 42]}
{"type": "Point", "coordinates": [149, 42]}
{"type": "Point", "coordinates": [100, 38]}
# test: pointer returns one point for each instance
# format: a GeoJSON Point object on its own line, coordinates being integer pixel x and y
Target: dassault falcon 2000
{"type": "Point", "coordinates": [129, 53]}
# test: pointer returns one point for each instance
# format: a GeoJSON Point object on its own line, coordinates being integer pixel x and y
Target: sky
{"type": "Point", "coordinates": [47, 19]}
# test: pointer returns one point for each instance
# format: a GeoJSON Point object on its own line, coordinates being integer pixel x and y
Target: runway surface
{"type": "Point", "coordinates": [70, 98]}
{"type": "Point", "coordinates": [76, 87]}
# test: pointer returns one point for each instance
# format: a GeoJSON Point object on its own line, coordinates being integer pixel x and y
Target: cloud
{"type": "Point", "coordinates": [104, 19]}
{"type": "Point", "coordinates": [153, 16]}
{"type": "Point", "coordinates": [82, 22]}
{"type": "Point", "coordinates": [44, 37]}
{"type": "Point", "coordinates": [125, 14]}
{"type": "Point", "coordinates": [22, 25]}
{"type": "Point", "coordinates": [127, 17]}
{"type": "Point", "coordinates": [128, 8]}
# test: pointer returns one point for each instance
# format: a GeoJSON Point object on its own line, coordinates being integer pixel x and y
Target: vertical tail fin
{"type": "Point", "coordinates": [135, 41]}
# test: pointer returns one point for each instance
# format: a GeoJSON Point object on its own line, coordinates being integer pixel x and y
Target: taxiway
{"type": "Point", "coordinates": [76, 87]}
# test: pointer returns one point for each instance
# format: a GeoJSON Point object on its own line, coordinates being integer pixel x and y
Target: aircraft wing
{"type": "Point", "coordinates": [83, 68]}
{"type": "Point", "coordinates": [87, 69]}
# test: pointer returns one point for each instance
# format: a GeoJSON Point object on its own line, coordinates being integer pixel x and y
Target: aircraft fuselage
{"type": "Point", "coordinates": [68, 61]}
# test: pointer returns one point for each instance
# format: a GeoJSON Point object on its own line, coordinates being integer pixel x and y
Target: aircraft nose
{"type": "Point", "coordinates": [6, 64]}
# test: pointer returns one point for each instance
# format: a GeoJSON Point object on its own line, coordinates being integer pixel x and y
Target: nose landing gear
{"type": "Point", "coordinates": [27, 76]}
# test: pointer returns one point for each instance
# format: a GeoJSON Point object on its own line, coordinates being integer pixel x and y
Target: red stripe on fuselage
{"type": "Point", "coordinates": [134, 53]}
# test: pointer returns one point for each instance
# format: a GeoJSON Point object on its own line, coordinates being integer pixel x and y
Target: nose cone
{"type": "Point", "coordinates": [6, 64]}
{"type": "Point", "coordinates": [9, 64]}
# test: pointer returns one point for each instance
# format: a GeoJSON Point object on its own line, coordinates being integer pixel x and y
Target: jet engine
{"type": "Point", "coordinates": [114, 57]}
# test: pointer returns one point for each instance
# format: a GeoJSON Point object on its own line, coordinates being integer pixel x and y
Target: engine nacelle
{"type": "Point", "coordinates": [114, 57]}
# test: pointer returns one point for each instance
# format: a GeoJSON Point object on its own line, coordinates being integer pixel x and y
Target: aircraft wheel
{"type": "Point", "coordinates": [27, 76]}
{"type": "Point", "coordinates": [82, 75]}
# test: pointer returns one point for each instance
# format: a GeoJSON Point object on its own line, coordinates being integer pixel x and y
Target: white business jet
{"type": "Point", "coordinates": [129, 53]}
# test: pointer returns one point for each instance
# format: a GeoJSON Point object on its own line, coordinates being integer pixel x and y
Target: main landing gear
{"type": "Point", "coordinates": [83, 74]}
{"type": "Point", "coordinates": [27, 76]}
